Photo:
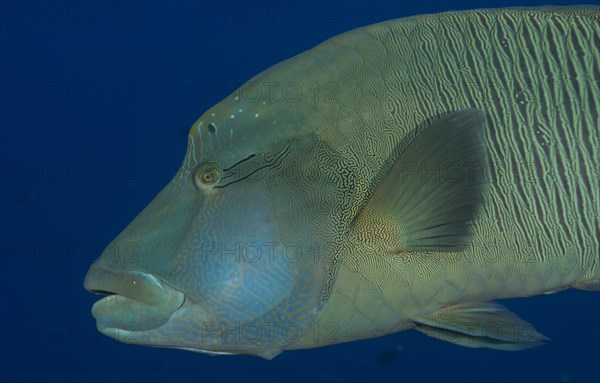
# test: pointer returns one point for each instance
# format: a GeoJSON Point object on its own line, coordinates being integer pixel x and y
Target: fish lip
{"type": "Point", "coordinates": [137, 301]}
{"type": "Point", "coordinates": [136, 285]}
{"type": "Point", "coordinates": [109, 325]}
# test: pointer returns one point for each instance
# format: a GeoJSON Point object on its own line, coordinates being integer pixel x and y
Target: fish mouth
{"type": "Point", "coordinates": [134, 301]}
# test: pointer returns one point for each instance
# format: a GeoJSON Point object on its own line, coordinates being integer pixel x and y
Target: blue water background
{"type": "Point", "coordinates": [97, 99]}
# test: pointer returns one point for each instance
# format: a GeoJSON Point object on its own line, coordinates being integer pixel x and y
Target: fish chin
{"type": "Point", "coordinates": [160, 333]}
{"type": "Point", "coordinates": [189, 328]}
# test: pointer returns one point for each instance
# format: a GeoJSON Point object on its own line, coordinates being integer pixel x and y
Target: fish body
{"type": "Point", "coordinates": [401, 175]}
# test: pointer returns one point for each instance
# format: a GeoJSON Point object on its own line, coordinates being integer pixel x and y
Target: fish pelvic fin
{"type": "Point", "coordinates": [477, 325]}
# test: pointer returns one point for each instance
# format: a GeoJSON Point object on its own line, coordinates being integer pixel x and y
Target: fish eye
{"type": "Point", "coordinates": [207, 175]}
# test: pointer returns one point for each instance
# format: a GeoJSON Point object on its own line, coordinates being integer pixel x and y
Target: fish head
{"type": "Point", "coordinates": [221, 260]}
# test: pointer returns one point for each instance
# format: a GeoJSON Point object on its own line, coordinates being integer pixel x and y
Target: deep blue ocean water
{"type": "Point", "coordinates": [96, 101]}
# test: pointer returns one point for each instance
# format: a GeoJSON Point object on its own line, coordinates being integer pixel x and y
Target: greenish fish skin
{"type": "Point", "coordinates": [399, 176]}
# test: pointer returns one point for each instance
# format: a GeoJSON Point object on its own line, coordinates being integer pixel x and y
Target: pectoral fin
{"type": "Point", "coordinates": [428, 199]}
{"type": "Point", "coordinates": [478, 325]}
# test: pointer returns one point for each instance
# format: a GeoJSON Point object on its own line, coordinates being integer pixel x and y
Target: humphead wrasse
{"type": "Point", "coordinates": [403, 175]}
